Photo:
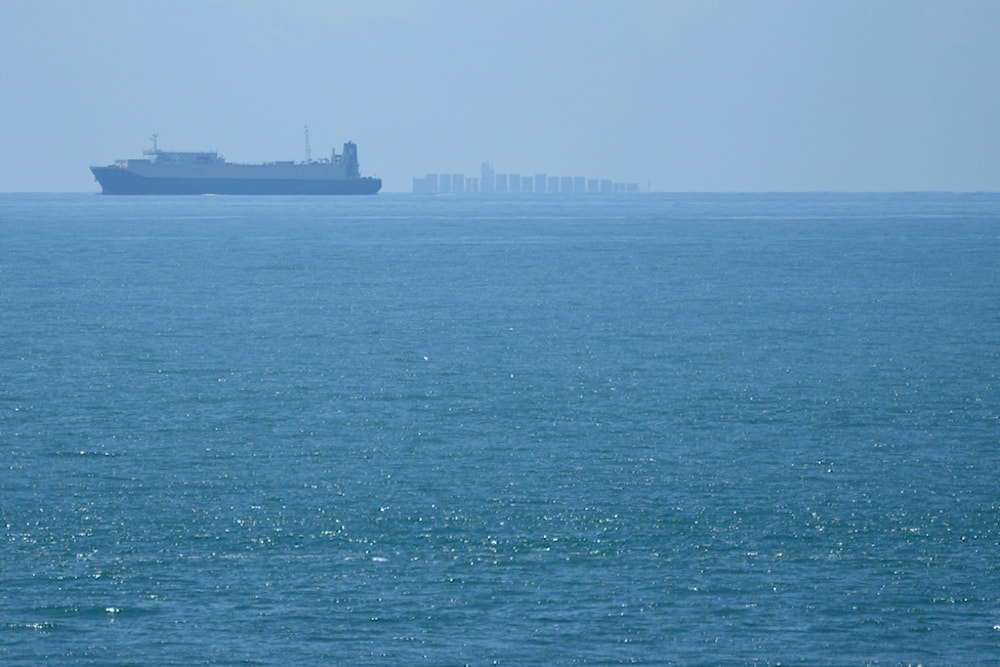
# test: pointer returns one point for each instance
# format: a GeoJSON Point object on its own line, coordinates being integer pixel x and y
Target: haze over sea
{"type": "Point", "coordinates": [655, 429]}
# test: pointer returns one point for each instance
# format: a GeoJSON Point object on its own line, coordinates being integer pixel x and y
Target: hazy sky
{"type": "Point", "coordinates": [685, 95]}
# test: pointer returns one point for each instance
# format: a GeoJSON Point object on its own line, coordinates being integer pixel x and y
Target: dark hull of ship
{"type": "Point", "coordinates": [116, 181]}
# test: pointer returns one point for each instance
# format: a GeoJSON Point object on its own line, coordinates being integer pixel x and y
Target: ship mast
{"type": "Point", "coordinates": [154, 141]}
{"type": "Point", "coordinates": [308, 151]}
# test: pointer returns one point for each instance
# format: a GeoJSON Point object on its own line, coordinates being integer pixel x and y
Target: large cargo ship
{"type": "Point", "coordinates": [161, 172]}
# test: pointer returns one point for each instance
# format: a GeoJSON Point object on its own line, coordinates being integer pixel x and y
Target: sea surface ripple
{"type": "Point", "coordinates": [654, 429]}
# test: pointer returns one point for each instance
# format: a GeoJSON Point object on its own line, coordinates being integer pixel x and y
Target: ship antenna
{"type": "Point", "coordinates": [308, 151]}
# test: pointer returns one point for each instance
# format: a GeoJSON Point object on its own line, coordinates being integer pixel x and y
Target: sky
{"type": "Point", "coordinates": [676, 95]}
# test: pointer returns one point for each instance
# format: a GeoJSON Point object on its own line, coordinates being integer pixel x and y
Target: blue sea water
{"type": "Point", "coordinates": [653, 429]}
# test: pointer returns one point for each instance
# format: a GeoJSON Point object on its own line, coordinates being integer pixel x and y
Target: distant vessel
{"type": "Point", "coordinates": [161, 172]}
{"type": "Point", "coordinates": [491, 182]}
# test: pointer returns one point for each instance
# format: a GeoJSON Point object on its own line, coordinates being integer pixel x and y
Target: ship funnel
{"type": "Point", "coordinates": [351, 160]}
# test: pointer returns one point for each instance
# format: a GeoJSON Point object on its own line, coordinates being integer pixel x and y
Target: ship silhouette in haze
{"type": "Point", "coordinates": [161, 172]}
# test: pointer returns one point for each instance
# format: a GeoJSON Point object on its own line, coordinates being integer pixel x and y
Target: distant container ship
{"type": "Point", "coordinates": [492, 182]}
{"type": "Point", "coordinates": [175, 173]}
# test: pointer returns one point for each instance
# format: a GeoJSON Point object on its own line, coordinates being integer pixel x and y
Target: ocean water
{"type": "Point", "coordinates": [653, 429]}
